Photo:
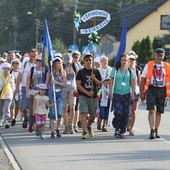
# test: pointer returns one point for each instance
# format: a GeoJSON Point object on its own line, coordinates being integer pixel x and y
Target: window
{"type": "Point", "coordinates": [165, 22]}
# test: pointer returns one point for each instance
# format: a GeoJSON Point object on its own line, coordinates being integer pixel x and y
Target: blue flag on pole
{"type": "Point", "coordinates": [47, 52]}
{"type": "Point", "coordinates": [122, 46]}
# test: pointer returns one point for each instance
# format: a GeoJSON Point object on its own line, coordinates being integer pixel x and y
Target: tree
{"type": "Point", "coordinates": [136, 47]}
{"type": "Point", "coordinates": [59, 46]}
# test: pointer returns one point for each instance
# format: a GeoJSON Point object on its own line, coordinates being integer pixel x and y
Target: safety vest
{"type": "Point", "coordinates": [150, 73]}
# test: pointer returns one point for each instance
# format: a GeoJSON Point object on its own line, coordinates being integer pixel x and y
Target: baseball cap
{"type": "Point", "coordinates": [132, 55]}
{"type": "Point", "coordinates": [67, 58]}
{"type": "Point", "coordinates": [2, 59]}
{"type": "Point", "coordinates": [87, 55]}
{"type": "Point", "coordinates": [57, 58]}
{"type": "Point", "coordinates": [160, 51]}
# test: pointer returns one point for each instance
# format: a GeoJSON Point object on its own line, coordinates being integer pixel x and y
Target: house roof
{"type": "Point", "coordinates": [134, 13]}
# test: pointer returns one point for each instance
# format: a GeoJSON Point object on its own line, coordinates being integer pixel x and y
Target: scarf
{"type": "Point", "coordinates": [6, 85]}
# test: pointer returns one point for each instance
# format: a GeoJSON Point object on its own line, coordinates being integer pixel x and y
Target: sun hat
{"type": "Point", "coordinates": [6, 65]}
{"type": "Point", "coordinates": [42, 86]}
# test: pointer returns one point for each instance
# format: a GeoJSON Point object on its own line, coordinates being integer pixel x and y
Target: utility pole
{"type": "Point", "coordinates": [37, 23]}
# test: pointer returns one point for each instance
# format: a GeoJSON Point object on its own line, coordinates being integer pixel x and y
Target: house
{"type": "Point", "coordinates": [151, 19]}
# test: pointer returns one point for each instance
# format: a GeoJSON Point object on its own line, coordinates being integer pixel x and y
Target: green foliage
{"type": "Point", "coordinates": [59, 46]}
{"type": "Point", "coordinates": [136, 47]}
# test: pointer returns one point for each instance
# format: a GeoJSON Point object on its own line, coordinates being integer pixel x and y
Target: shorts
{"type": "Point", "coordinates": [40, 119]}
{"type": "Point", "coordinates": [137, 98]}
{"type": "Point", "coordinates": [69, 98]}
{"type": "Point", "coordinates": [88, 105]}
{"type": "Point", "coordinates": [104, 112]}
{"type": "Point", "coordinates": [156, 98]}
{"type": "Point", "coordinates": [24, 101]}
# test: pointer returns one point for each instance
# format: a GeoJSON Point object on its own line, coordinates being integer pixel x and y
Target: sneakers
{"type": "Point", "coordinates": [31, 127]}
{"type": "Point", "coordinates": [71, 130]}
{"type": "Point", "coordinates": [6, 124]}
{"type": "Point", "coordinates": [25, 123]}
{"type": "Point", "coordinates": [66, 130]}
{"type": "Point", "coordinates": [37, 133]}
{"type": "Point", "coordinates": [152, 134]}
{"type": "Point", "coordinates": [76, 129]}
{"type": "Point", "coordinates": [58, 134]}
{"type": "Point", "coordinates": [52, 135]}
{"type": "Point", "coordinates": [117, 134]}
{"type": "Point", "coordinates": [90, 132]}
{"type": "Point", "coordinates": [84, 135]}
{"type": "Point", "coordinates": [13, 122]}
{"type": "Point", "coordinates": [42, 136]}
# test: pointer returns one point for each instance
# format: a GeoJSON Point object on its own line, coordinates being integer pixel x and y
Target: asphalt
{"type": "Point", "coordinates": [20, 149]}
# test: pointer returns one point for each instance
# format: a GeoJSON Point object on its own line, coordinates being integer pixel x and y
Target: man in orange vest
{"type": "Point", "coordinates": [155, 86]}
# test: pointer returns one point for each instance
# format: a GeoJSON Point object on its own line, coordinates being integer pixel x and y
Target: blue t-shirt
{"type": "Point", "coordinates": [122, 81]}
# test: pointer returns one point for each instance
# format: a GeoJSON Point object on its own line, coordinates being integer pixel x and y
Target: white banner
{"type": "Point", "coordinates": [92, 14]}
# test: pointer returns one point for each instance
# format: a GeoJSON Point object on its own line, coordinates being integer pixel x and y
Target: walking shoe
{"type": "Point", "coordinates": [117, 134]}
{"type": "Point", "coordinates": [104, 129]}
{"type": "Point", "coordinates": [84, 135]}
{"type": "Point", "coordinates": [58, 133]}
{"type": "Point", "coordinates": [52, 135]}
{"type": "Point", "coordinates": [25, 123]}
{"type": "Point", "coordinates": [42, 136]}
{"type": "Point", "coordinates": [156, 134]}
{"type": "Point", "coordinates": [13, 122]}
{"type": "Point", "coordinates": [131, 133]}
{"type": "Point", "coordinates": [76, 129]}
{"type": "Point", "coordinates": [152, 134]}
{"type": "Point", "coordinates": [71, 130]}
{"type": "Point", "coordinates": [66, 130]}
{"type": "Point", "coordinates": [31, 127]}
{"type": "Point", "coordinates": [90, 132]}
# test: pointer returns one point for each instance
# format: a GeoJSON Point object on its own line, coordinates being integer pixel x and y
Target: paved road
{"type": "Point", "coordinates": [103, 151]}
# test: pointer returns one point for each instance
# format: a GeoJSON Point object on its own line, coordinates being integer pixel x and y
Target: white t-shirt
{"type": "Point", "coordinates": [40, 107]}
{"type": "Point", "coordinates": [158, 77]}
{"type": "Point", "coordinates": [25, 70]}
{"type": "Point", "coordinates": [105, 96]}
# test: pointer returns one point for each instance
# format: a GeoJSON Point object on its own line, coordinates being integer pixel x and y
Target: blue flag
{"type": "Point", "coordinates": [122, 46]}
{"type": "Point", "coordinates": [47, 53]}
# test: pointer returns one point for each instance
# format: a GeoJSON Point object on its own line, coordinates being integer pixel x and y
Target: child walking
{"type": "Point", "coordinates": [40, 110]}
{"type": "Point", "coordinates": [103, 105]}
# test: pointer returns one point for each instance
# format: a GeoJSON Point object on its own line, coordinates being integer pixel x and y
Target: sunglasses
{"type": "Point", "coordinates": [15, 63]}
{"type": "Point", "coordinates": [88, 60]}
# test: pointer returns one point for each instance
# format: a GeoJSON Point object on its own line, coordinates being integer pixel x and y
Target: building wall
{"type": "Point", "coordinates": [149, 26]}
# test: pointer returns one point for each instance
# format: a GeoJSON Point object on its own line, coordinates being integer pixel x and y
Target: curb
{"type": "Point", "coordinates": [9, 154]}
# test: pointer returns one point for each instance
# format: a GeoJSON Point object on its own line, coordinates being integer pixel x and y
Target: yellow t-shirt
{"type": "Point", "coordinates": [41, 107]}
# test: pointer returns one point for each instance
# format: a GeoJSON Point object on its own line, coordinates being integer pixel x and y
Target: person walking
{"type": "Point", "coordinates": [59, 81]}
{"type": "Point", "coordinates": [121, 97]}
{"type": "Point", "coordinates": [155, 87]}
{"type": "Point", "coordinates": [21, 78]}
{"type": "Point", "coordinates": [40, 109]}
{"type": "Point", "coordinates": [88, 79]}
{"type": "Point", "coordinates": [134, 104]}
{"type": "Point", "coordinates": [6, 93]}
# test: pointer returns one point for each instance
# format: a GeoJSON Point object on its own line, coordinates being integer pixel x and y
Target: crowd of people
{"type": "Point", "coordinates": [80, 91]}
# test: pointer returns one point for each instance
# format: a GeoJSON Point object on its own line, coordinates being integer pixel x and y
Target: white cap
{"type": "Point", "coordinates": [2, 59]}
{"type": "Point", "coordinates": [57, 58]}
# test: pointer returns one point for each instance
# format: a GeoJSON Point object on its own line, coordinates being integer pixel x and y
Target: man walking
{"type": "Point", "coordinates": [88, 79]}
{"type": "Point", "coordinates": [155, 86]}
